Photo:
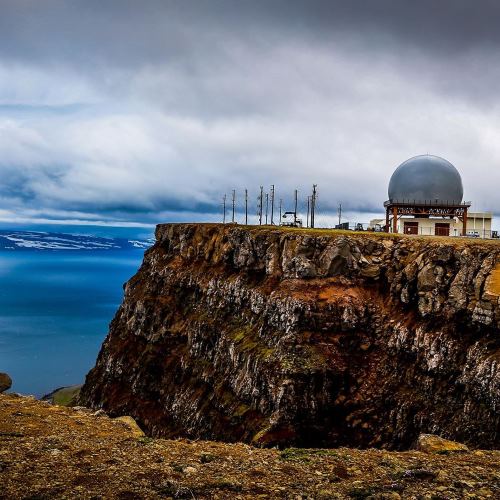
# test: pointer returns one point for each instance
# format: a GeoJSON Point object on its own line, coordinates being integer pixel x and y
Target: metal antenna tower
{"type": "Point", "coordinates": [272, 204]}
{"type": "Point", "coordinates": [339, 211]}
{"type": "Point", "coordinates": [233, 200]}
{"type": "Point", "coordinates": [313, 205]}
{"type": "Point", "coordinates": [308, 207]}
{"type": "Point", "coordinates": [260, 204]}
{"type": "Point", "coordinates": [246, 207]}
{"type": "Point", "coordinates": [295, 210]}
{"type": "Point", "coordinates": [281, 205]}
{"type": "Point", "coordinates": [267, 206]}
{"type": "Point", "coordinates": [224, 209]}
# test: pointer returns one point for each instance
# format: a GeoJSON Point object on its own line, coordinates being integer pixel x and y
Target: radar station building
{"type": "Point", "coordinates": [426, 198]}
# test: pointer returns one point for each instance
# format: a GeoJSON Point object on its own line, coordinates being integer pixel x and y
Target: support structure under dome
{"type": "Point", "coordinates": [395, 209]}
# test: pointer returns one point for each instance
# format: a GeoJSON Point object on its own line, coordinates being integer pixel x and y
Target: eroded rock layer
{"type": "Point", "coordinates": [308, 338]}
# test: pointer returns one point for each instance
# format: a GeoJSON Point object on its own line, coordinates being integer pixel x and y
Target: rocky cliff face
{"type": "Point", "coordinates": [310, 338]}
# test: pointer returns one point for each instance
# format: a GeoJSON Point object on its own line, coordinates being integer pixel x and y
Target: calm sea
{"type": "Point", "coordinates": [55, 308]}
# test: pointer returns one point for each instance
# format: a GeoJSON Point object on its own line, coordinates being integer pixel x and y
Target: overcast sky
{"type": "Point", "coordinates": [147, 111]}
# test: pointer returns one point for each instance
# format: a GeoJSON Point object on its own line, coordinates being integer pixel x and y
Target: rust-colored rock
{"type": "Point", "coordinates": [428, 443]}
{"type": "Point", "coordinates": [308, 338]}
{"type": "Point", "coordinates": [131, 424]}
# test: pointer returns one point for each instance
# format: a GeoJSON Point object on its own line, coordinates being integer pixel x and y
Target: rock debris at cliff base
{"type": "Point", "coordinates": [51, 452]}
{"type": "Point", "coordinates": [306, 338]}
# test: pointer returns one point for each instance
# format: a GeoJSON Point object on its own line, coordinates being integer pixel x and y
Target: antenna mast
{"type": "Point", "coordinates": [313, 205]}
{"type": "Point", "coordinates": [260, 204]}
{"type": "Point", "coordinates": [267, 206]}
{"type": "Point", "coordinates": [308, 206]}
{"type": "Point", "coordinates": [272, 205]}
{"type": "Point", "coordinates": [246, 207]}
{"type": "Point", "coordinates": [234, 200]}
{"type": "Point", "coordinates": [224, 209]}
{"type": "Point", "coordinates": [295, 210]}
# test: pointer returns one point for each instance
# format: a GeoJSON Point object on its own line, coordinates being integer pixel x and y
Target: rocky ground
{"type": "Point", "coordinates": [51, 451]}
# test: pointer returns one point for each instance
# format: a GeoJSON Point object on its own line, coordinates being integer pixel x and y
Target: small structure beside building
{"type": "Point", "coordinates": [425, 198]}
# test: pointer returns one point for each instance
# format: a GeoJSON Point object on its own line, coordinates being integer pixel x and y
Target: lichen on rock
{"type": "Point", "coordinates": [429, 443]}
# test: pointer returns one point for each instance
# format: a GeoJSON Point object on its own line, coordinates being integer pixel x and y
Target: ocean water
{"type": "Point", "coordinates": [55, 308]}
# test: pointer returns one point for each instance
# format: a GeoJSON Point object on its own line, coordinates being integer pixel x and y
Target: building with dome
{"type": "Point", "coordinates": [426, 197]}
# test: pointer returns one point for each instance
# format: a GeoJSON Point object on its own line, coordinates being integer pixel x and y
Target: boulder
{"type": "Point", "coordinates": [132, 425]}
{"type": "Point", "coordinates": [429, 443]}
{"type": "Point", "coordinates": [5, 382]}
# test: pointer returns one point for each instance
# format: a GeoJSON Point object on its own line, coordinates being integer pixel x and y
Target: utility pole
{"type": "Point", "coordinates": [246, 207]}
{"type": "Point", "coordinates": [260, 204]}
{"type": "Point", "coordinates": [234, 200]}
{"type": "Point", "coordinates": [272, 205]}
{"type": "Point", "coordinates": [339, 211]}
{"type": "Point", "coordinates": [224, 209]}
{"type": "Point", "coordinates": [313, 205]}
{"type": "Point", "coordinates": [295, 210]}
{"type": "Point", "coordinates": [308, 206]}
{"type": "Point", "coordinates": [267, 206]}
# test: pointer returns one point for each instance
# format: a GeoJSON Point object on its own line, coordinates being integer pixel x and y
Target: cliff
{"type": "Point", "coordinates": [306, 338]}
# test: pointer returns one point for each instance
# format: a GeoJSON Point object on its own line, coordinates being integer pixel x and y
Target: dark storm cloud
{"type": "Point", "coordinates": [126, 31]}
{"type": "Point", "coordinates": [109, 108]}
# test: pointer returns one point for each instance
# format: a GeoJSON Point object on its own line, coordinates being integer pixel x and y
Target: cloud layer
{"type": "Point", "coordinates": [148, 111]}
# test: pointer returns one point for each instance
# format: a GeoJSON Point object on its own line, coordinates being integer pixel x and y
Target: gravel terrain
{"type": "Point", "coordinates": [51, 452]}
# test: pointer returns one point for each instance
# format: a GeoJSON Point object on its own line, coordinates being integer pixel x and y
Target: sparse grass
{"type": "Point", "coordinates": [145, 440]}
{"type": "Point", "coordinates": [241, 410]}
{"type": "Point", "coordinates": [457, 241]}
{"type": "Point", "coordinates": [245, 338]}
{"type": "Point", "coordinates": [66, 396]}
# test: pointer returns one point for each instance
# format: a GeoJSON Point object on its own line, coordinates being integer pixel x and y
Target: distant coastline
{"type": "Point", "coordinates": [41, 240]}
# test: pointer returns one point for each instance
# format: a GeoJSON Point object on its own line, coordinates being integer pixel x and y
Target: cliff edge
{"type": "Point", "coordinates": [306, 337]}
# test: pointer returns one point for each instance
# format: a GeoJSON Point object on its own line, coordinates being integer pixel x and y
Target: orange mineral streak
{"type": "Point", "coordinates": [493, 283]}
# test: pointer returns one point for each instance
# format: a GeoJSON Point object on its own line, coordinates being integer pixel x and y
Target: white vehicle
{"type": "Point", "coordinates": [290, 219]}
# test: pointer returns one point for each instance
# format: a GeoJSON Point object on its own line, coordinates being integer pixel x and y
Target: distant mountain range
{"type": "Point", "coordinates": [35, 240]}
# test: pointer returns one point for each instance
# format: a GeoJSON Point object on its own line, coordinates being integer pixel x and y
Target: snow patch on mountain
{"type": "Point", "coordinates": [38, 240]}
